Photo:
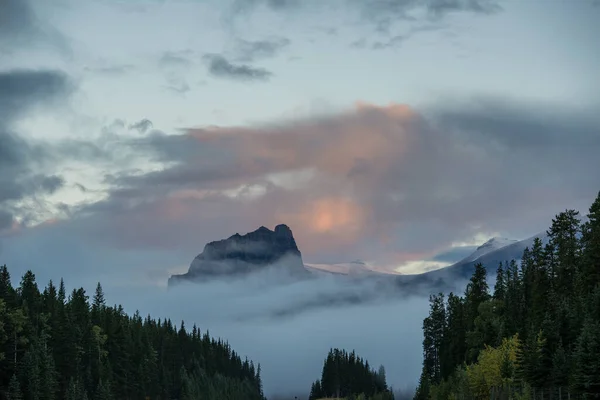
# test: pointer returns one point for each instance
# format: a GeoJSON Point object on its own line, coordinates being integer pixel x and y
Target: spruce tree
{"type": "Point", "coordinates": [591, 249]}
{"type": "Point", "coordinates": [500, 285]}
{"type": "Point", "coordinates": [587, 360]}
{"type": "Point", "coordinates": [14, 389]}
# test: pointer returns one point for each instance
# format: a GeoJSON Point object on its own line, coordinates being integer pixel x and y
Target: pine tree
{"type": "Point", "coordinates": [476, 293]}
{"type": "Point", "coordinates": [500, 285]}
{"type": "Point", "coordinates": [424, 387]}
{"type": "Point", "coordinates": [591, 249]}
{"type": "Point", "coordinates": [14, 389]}
{"type": "Point", "coordinates": [103, 392]}
{"type": "Point", "coordinates": [563, 237]}
{"type": "Point", "coordinates": [31, 375]}
{"type": "Point", "coordinates": [560, 367]}
{"type": "Point", "coordinates": [455, 349]}
{"type": "Point", "coordinates": [587, 360]}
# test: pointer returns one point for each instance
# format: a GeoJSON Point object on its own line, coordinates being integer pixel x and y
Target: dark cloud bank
{"type": "Point", "coordinates": [21, 161]}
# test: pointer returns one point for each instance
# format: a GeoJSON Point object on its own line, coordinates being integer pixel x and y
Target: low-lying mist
{"type": "Point", "coordinates": [289, 326]}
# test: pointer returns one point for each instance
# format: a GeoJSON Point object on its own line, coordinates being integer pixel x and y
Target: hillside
{"type": "Point", "coordinates": [535, 332]}
{"type": "Point", "coordinates": [59, 346]}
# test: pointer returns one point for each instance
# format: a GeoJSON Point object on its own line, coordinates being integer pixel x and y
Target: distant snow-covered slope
{"type": "Point", "coordinates": [353, 268]}
{"type": "Point", "coordinates": [491, 245]}
{"type": "Point", "coordinates": [452, 277]}
{"type": "Point", "coordinates": [490, 259]}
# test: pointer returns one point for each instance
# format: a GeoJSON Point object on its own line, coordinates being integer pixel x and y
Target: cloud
{"type": "Point", "coordinates": [220, 67]}
{"type": "Point", "coordinates": [20, 89]}
{"type": "Point", "coordinates": [249, 51]}
{"type": "Point", "coordinates": [177, 84]}
{"type": "Point", "coordinates": [386, 184]}
{"type": "Point", "coordinates": [391, 42]}
{"type": "Point", "coordinates": [111, 70]}
{"type": "Point", "coordinates": [141, 126]}
{"type": "Point", "coordinates": [22, 174]}
{"type": "Point", "coordinates": [379, 13]}
{"type": "Point", "coordinates": [176, 66]}
{"type": "Point", "coordinates": [21, 27]}
{"type": "Point", "coordinates": [175, 59]}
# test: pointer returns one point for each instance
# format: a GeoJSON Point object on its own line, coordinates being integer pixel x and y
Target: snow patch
{"type": "Point", "coordinates": [493, 244]}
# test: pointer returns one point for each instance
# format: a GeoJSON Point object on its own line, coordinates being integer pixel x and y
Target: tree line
{"type": "Point", "coordinates": [349, 376]}
{"type": "Point", "coordinates": [54, 346]}
{"type": "Point", "coordinates": [539, 327]}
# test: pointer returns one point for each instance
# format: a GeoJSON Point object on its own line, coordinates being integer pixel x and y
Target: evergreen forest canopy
{"type": "Point", "coordinates": [347, 375]}
{"type": "Point", "coordinates": [537, 331]}
{"type": "Point", "coordinates": [54, 347]}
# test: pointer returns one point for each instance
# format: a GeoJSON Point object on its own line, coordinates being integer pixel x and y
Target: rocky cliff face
{"type": "Point", "coordinates": [244, 254]}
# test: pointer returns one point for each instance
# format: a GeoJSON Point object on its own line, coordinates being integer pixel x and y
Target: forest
{"type": "Point", "coordinates": [349, 376]}
{"type": "Point", "coordinates": [54, 346]}
{"type": "Point", "coordinates": [536, 334]}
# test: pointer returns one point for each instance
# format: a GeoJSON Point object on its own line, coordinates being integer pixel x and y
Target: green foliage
{"type": "Point", "coordinates": [57, 347]}
{"type": "Point", "coordinates": [539, 329]}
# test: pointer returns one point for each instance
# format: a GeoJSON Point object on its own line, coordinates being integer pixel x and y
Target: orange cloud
{"type": "Point", "coordinates": [351, 155]}
{"type": "Point", "coordinates": [332, 145]}
{"type": "Point", "coordinates": [326, 222]}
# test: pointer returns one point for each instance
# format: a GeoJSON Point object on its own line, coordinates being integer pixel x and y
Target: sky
{"type": "Point", "coordinates": [397, 132]}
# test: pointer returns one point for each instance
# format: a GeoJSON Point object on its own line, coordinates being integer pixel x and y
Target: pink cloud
{"type": "Point", "coordinates": [379, 183]}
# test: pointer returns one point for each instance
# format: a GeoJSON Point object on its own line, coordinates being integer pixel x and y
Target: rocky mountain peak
{"type": "Point", "coordinates": [241, 254]}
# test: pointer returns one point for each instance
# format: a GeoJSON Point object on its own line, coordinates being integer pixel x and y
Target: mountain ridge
{"type": "Point", "coordinates": [244, 254]}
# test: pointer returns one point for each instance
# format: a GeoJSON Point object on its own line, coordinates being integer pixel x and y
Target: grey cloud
{"type": "Point", "coordinates": [381, 13]}
{"type": "Point", "coordinates": [50, 184]}
{"type": "Point", "coordinates": [175, 59]}
{"type": "Point", "coordinates": [359, 44]}
{"type": "Point", "coordinates": [119, 69]}
{"type": "Point", "coordinates": [518, 127]}
{"type": "Point", "coordinates": [242, 6]}
{"type": "Point", "coordinates": [248, 50]}
{"type": "Point", "coordinates": [141, 126]}
{"type": "Point", "coordinates": [176, 66]}
{"type": "Point", "coordinates": [220, 67]}
{"type": "Point", "coordinates": [21, 89]}
{"type": "Point", "coordinates": [16, 19]}
{"type": "Point", "coordinates": [177, 85]}
{"type": "Point", "coordinates": [6, 219]}
{"type": "Point", "coordinates": [391, 42]}
{"type": "Point", "coordinates": [81, 187]}
{"type": "Point", "coordinates": [440, 7]}
{"type": "Point", "coordinates": [21, 27]}
{"type": "Point", "coordinates": [416, 28]}
{"type": "Point", "coordinates": [20, 92]}
{"type": "Point", "coordinates": [450, 173]}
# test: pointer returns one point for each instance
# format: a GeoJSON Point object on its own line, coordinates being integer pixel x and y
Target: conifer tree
{"type": "Point", "coordinates": [590, 271]}
{"type": "Point", "coordinates": [500, 285]}
{"type": "Point", "coordinates": [14, 389]}
{"type": "Point", "coordinates": [587, 360]}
